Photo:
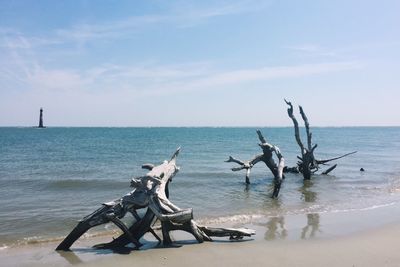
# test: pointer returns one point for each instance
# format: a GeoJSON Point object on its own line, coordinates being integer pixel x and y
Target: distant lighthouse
{"type": "Point", "coordinates": [41, 119]}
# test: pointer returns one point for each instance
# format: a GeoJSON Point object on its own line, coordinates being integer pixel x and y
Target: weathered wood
{"type": "Point", "coordinates": [148, 166]}
{"type": "Point", "coordinates": [296, 127]}
{"type": "Point", "coordinates": [244, 165]}
{"type": "Point", "coordinates": [83, 226]}
{"type": "Point", "coordinates": [294, 169]}
{"type": "Point", "coordinates": [266, 157]}
{"type": "Point", "coordinates": [138, 198]}
{"type": "Point", "coordinates": [233, 233]}
{"type": "Point", "coordinates": [138, 230]}
{"type": "Point", "coordinates": [151, 192]}
{"type": "Point", "coordinates": [324, 161]}
{"type": "Point", "coordinates": [308, 164]}
{"type": "Point", "coordinates": [329, 169]}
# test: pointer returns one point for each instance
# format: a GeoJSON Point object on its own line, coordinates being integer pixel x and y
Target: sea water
{"type": "Point", "coordinates": [50, 178]}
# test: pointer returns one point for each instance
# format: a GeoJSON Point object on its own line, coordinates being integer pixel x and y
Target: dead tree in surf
{"type": "Point", "coordinates": [307, 164]}
{"type": "Point", "coordinates": [266, 157]}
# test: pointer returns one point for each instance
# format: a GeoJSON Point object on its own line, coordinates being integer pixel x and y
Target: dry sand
{"type": "Point", "coordinates": [378, 247]}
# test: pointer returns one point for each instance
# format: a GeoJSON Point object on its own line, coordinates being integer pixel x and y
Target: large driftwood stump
{"type": "Point", "coordinates": [151, 192]}
{"type": "Point", "coordinates": [266, 157]}
{"type": "Point", "coordinates": [307, 164]}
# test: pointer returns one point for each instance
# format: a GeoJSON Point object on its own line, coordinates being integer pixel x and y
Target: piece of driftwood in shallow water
{"type": "Point", "coordinates": [307, 164]}
{"type": "Point", "coordinates": [150, 192]}
{"type": "Point", "coordinates": [266, 157]}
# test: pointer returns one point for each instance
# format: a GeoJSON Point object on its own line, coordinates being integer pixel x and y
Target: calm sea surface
{"type": "Point", "coordinates": [50, 178]}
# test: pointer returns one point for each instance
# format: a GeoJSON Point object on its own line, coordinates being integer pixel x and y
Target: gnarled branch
{"type": "Point", "coordinates": [324, 161]}
{"type": "Point", "coordinates": [308, 164]}
{"type": "Point", "coordinates": [151, 192]}
{"type": "Point", "coordinates": [296, 126]}
{"type": "Point", "coordinates": [267, 157]}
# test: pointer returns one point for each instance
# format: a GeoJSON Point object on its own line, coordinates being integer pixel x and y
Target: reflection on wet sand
{"type": "Point", "coordinates": [312, 226]}
{"type": "Point", "coordinates": [313, 219]}
{"type": "Point", "coordinates": [307, 194]}
{"type": "Point", "coordinates": [275, 225]}
{"type": "Point", "coordinates": [276, 228]}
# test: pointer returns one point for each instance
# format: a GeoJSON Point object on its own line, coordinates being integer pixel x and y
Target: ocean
{"type": "Point", "coordinates": [50, 178]}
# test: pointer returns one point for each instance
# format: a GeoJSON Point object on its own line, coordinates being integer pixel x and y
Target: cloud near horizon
{"type": "Point", "coordinates": [161, 80]}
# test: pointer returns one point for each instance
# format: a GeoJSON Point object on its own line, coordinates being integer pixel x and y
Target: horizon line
{"type": "Point", "coordinates": [205, 126]}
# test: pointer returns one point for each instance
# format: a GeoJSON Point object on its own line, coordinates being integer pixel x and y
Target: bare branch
{"type": "Point", "coordinates": [175, 154]}
{"type": "Point", "coordinates": [307, 126]}
{"type": "Point", "coordinates": [148, 166]}
{"type": "Point", "coordinates": [329, 169]}
{"type": "Point", "coordinates": [235, 169]}
{"type": "Point", "coordinates": [232, 159]}
{"type": "Point", "coordinates": [277, 152]}
{"type": "Point", "coordinates": [261, 137]}
{"type": "Point", "coordinates": [328, 160]}
{"type": "Point", "coordinates": [279, 176]}
{"type": "Point", "coordinates": [313, 148]}
{"type": "Point", "coordinates": [296, 126]}
{"type": "Point", "coordinates": [256, 160]}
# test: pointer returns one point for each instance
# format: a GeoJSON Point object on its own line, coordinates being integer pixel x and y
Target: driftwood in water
{"type": "Point", "coordinates": [266, 157]}
{"type": "Point", "coordinates": [307, 164]}
{"type": "Point", "coordinates": [151, 193]}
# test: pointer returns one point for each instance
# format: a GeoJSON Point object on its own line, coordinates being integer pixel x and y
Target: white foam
{"type": "Point", "coordinates": [242, 218]}
{"type": "Point", "coordinates": [320, 209]}
{"type": "Point", "coordinates": [364, 209]}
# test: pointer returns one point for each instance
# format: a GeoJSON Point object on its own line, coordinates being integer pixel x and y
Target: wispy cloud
{"type": "Point", "coordinates": [267, 73]}
{"type": "Point", "coordinates": [179, 17]}
{"type": "Point", "coordinates": [155, 79]}
{"type": "Point", "coordinates": [171, 80]}
{"type": "Point", "coordinates": [108, 30]}
{"type": "Point", "coordinates": [312, 50]}
{"type": "Point", "coordinates": [221, 80]}
{"type": "Point", "coordinates": [57, 79]}
{"type": "Point", "coordinates": [23, 70]}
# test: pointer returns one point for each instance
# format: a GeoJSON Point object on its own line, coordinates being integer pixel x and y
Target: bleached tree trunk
{"type": "Point", "coordinates": [266, 157]}
{"type": "Point", "coordinates": [308, 164]}
{"type": "Point", "coordinates": [151, 192]}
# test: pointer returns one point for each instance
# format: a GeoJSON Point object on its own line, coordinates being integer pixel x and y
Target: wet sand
{"type": "Point", "coordinates": [373, 247]}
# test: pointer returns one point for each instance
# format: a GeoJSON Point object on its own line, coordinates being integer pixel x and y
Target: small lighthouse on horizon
{"type": "Point", "coordinates": [41, 119]}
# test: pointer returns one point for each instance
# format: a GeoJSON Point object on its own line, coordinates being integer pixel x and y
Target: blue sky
{"type": "Point", "coordinates": [199, 63]}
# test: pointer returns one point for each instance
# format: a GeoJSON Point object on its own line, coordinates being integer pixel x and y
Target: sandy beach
{"type": "Point", "coordinates": [372, 247]}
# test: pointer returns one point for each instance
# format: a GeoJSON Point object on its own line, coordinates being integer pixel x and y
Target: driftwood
{"type": "Point", "coordinates": [307, 164]}
{"type": "Point", "coordinates": [266, 157]}
{"type": "Point", "coordinates": [151, 192]}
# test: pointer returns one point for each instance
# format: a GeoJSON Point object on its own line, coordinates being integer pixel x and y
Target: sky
{"type": "Point", "coordinates": [199, 63]}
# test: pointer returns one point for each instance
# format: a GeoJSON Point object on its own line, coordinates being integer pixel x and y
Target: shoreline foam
{"type": "Point", "coordinates": [327, 223]}
{"type": "Point", "coordinates": [377, 247]}
{"type": "Point", "coordinates": [296, 240]}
